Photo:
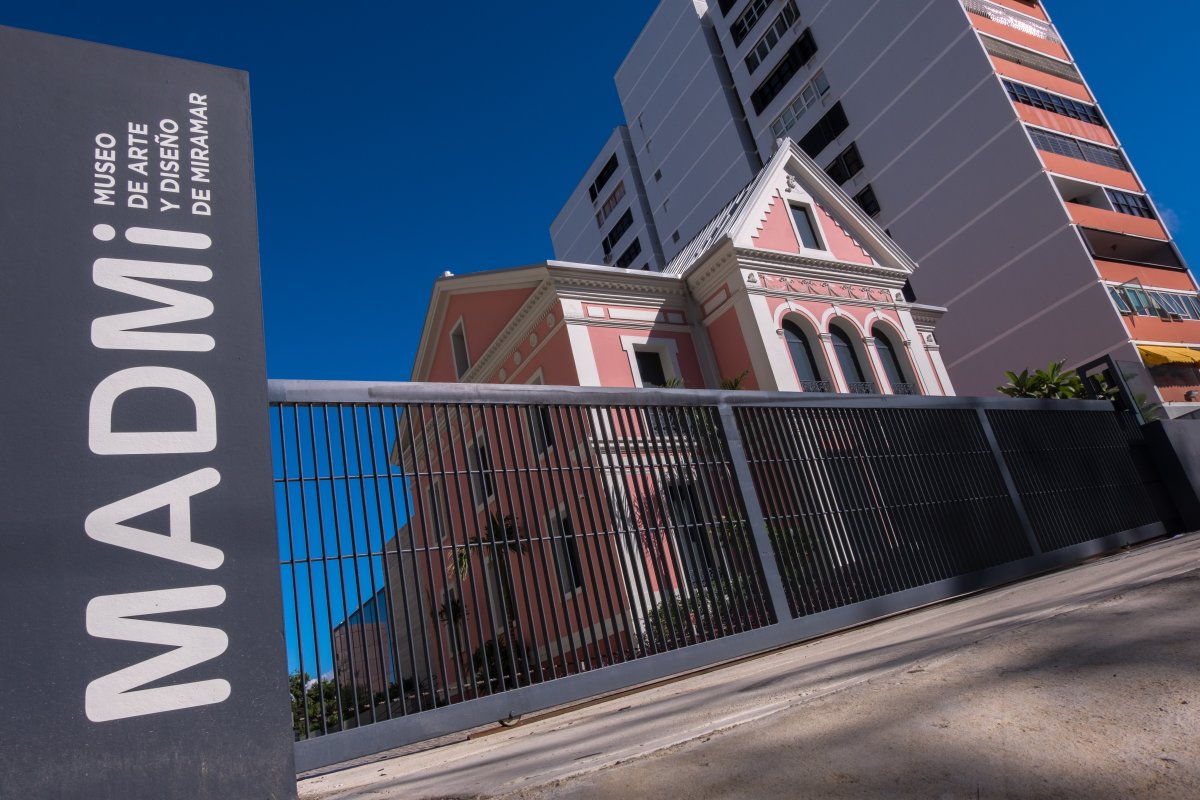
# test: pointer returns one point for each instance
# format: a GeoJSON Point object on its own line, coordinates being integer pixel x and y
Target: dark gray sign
{"type": "Point", "coordinates": [139, 583]}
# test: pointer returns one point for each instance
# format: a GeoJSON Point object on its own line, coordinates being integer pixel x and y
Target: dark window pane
{"type": "Point", "coordinates": [618, 230]}
{"type": "Point", "coordinates": [650, 368]}
{"type": "Point", "coordinates": [803, 357]}
{"type": "Point", "coordinates": [805, 227]}
{"type": "Point", "coordinates": [890, 358]}
{"type": "Point", "coordinates": [866, 199]}
{"type": "Point", "coordinates": [848, 359]}
{"type": "Point", "coordinates": [828, 128]}
{"type": "Point", "coordinates": [631, 252]}
{"type": "Point", "coordinates": [796, 57]}
{"type": "Point", "coordinates": [606, 172]}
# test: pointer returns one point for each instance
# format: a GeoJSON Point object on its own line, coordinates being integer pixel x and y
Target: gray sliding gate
{"type": "Point", "coordinates": [455, 554]}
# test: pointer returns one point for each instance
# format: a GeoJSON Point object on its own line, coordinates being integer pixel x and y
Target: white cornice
{"type": "Point", "coordinates": [774, 260]}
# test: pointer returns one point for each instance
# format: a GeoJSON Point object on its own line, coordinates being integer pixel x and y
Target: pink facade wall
{"type": "Point", "coordinates": [839, 241]}
{"type": "Point", "coordinates": [612, 361]}
{"type": "Point", "coordinates": [485, 315]}
{"type": "Point", "coordinates": [730, 350]}
{"type": "Point", "coordinates": [775, 230]}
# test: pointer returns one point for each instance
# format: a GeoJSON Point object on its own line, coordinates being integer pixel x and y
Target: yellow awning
{"type": "Point", "coordinates": [1154, 355]}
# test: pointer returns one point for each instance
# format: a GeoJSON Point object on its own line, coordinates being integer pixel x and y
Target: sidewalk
{"type": "Point", "coordinates": [1083, 683]}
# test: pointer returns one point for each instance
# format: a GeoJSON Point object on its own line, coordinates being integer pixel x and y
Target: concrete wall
{"type": "Point", "coordinates": [682, 118]}
{"type": "Point", "coordinates": [575, 232]}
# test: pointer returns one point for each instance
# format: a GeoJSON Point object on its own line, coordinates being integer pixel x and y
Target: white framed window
{"type": "Point", "coordinates": [483, 480]}
{"type": "Point", "coordinates": [653, 361]}
{"type": "Point", "coordinates": [807, 228]}
{"type": "Point", "coordinates": [808, 96]}
{"type": "Point", "coordinates": [566, 552]}
{"type": "Point", "coordinates": [439, 520]}
{"type": "Point", "coordinates": [541, 421]}
{"type": "Point", "coordinates": [458, 346]}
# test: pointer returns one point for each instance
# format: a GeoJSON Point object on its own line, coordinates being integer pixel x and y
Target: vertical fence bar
{"type": "Point", "coordinates": [1009, 484]}
{"type": "Point", "coordinates": [754, 514]}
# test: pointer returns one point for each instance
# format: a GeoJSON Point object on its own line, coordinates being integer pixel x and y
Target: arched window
{"type": "Point", "coordinates": [892, 364]}
{"type": "Point", "coordinates": [856, 377]}
{"type": "Point", "coordinates": [804, 358]}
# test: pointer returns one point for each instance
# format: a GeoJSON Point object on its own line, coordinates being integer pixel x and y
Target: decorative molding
{"type": "Point", "coordinates": [534, 308]}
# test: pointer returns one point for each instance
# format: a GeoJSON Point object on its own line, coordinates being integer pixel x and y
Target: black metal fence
{"type": "Point", "coordinates": [453, 555]}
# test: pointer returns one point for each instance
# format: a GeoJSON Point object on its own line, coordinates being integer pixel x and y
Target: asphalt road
{"type": "Point", "coordinates": [1084, 683]}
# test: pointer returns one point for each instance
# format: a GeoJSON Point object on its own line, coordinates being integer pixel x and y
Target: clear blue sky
{"type": "Point", "coordinates": [380, 130]}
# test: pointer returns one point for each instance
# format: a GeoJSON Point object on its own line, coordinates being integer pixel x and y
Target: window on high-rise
{"type": "Point", "coordinates": [788, 17]}
{"type": "Point", "coordinates": [1137, 205]}
{"type": "Point", "coordinates": [631, 252]}
{"type": "Point", "coordinates": [1077, 148]}
{"type": "Point", "coordinates": [826, 129]}
{"type": "Point", "coordinates": [867, 201]}
{"type": "Point", "coordinates": [617, 231]}
{"type": "Point", "coordinates": [744, 24]}
{"type": "Point", "coordinates": [1055, 103]}
{"type": "Point", "coordinates": [805, 227]}
{"type": "Point", "coordinates": [1031, 59]}
{"type": "Point", "coordinates": [848, 164]}
{"type": "Point", "coordinates": [610, 204]}
{"type": "Point", "coordinates": [799, 54]}
{"type": "Point", "coordinates": [806, 98]}
{"type": "Point", "coordinates": [1139, 301]}
{"type": "Point", "coordinates": [606, 172]}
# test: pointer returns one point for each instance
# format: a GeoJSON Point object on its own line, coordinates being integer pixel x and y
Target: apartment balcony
{"type": "Point", "coordinates": [1122, 258]}
{"type": "Point", "coordinates": [816, 386]}
{"type": "Point", "coordinates": [862, 387]}
{"type": "Point", "coordinates": [1086, 170]}
{"type": "Point", "coordinates": [1105, 220]}
{"type": "Point", "coordinates": [1001, 31]}
{"type": "Point", "coordinates": [1030, 7]}
{"type": "Point", "coordinates": [1067, 125]}
{"type": "Point", "coordinates": [1036, 77]}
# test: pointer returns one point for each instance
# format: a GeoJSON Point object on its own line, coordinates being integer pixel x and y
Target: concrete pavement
{"type": "Point", "coordinates": [1083, 683]}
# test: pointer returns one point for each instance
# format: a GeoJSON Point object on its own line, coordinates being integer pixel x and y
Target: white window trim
{"type": "Point", "coordinates": [667, 348]}
{"type": "Point", "coordinates": [538, 378]}
{"type": "Point", "coordinates": [460, 326]}
{"type": "Point", "coordinates": [476, 473]}
{"type": "Point", "coordinates": [438, 510]}
{"type": "Point", "coordinates": [814, 218]}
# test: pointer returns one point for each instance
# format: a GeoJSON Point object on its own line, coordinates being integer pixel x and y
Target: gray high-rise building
{"type": "Point", "coordinates": [963, 126]}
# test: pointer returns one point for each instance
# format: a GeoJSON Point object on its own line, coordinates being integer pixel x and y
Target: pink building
{"type": "Point", "coordinates": [792, 287]}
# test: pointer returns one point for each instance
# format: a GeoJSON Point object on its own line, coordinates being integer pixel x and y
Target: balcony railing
{"type": "Point", "coordinates": [1008, 17]}
{"type": "Point", "coordinates": [904, 388]}
{"type": "Point", "coordinates": [816, 386]}
{"type": "Point", "coordinates": [862, 387]}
